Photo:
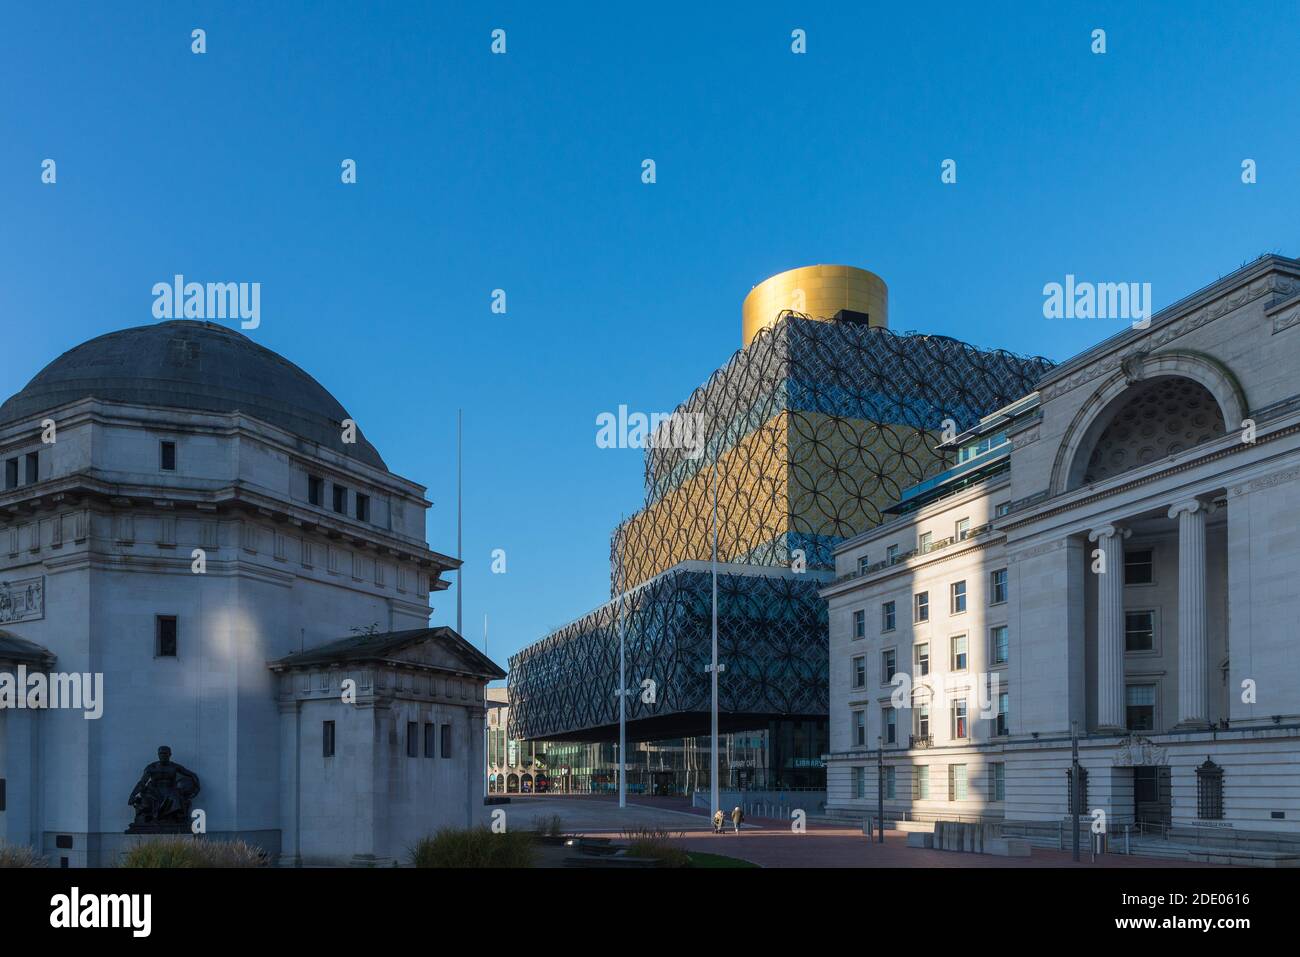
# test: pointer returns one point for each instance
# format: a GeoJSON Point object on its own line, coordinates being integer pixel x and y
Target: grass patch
{"type": "Point", "coordinates": [473, 847]}
{"type": "Point", "coordinates": [700, 859]}
{"type": "Point", "coordinates": [20, 855]}
{"type": "Point", "coordinates": [183, 851]}
{"type": "Point", "coordinates": [549, 826]}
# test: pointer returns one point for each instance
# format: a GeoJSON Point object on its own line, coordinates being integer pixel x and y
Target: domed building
{"type": "Point", "coordinates": [200, 549]}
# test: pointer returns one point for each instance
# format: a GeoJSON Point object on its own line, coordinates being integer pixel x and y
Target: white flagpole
{"type": "Point", "coordinates": [460, 572]}
{"type": "Point", "coordinates": [485, 724]}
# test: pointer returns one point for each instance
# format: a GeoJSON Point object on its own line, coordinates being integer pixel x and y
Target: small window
{"type": "Point", "coordinates": [890, 717]}
{"type": "Point", "coordinates": [1139, 630]}
{"type": "Point", "coordinates": [888, 618]}
{"type": "Point", "coordinates": [1138, 569]}
{"type": "Point", "coordinates": [997, 586]}
{"type": "Point", "coordinates": [958, 597]}
{"type": "Point", "coordinates": [33, 468]}
{"type": "Point", "coordinates": [891, 554]}
{"type": "Point", "coordinates": [315, 490]}
{"type": "Point", "coordinates": [165, 636]}
{"type": "Point", "coordinates": [960, 728]}
{"type": "Point", "coordinates": [957, 782]}
{"type": "Point", "coordinates": [859, 671]}
{"type": "Point", "coordinates": [363, 507]}
{"type": "Point", "coordinates": [888, 666]}
{"type": "Point", "coordinates": [412, 739]}
{"type": "Point", "coordinates": [923, 659]}
{"type": "Point", "coordinates": [1209, 791]}
{"type": "Point", "coordinates": [962, 529]}
{"type": "Point", "coordinates": [959, 653]}
{"type": "Point", "coordinates": [11, 473]}
{"type": "Point", "coordinates": [430, 742]}
{"type": "Point", "coordinates": [921, 782]}
{"type": "Point", "coordinates": [999, 646]}
{"type": "Point", "coordinates": [341, 499]}
{"type": "Point", "coordinates": [859, 729]}
{"type": "Point", "coordinates": [863, 564]}
{"type": "Point", "coordinates": [924, 542]}
{"type": "Point", "coordinates": [921, 719]}
{"type": "Point", "coordinates": [998, 781]}
{"type": "Point", "coordinates": [1002, 508]}
{"type": "Point", "coordinates": [921, 606]}
{"type": "Point", "coordinates": [891, 783]}
{"type": "Point", "coordinates": [1000, 724]}
{"type": "Point", "coordinates": [1140, 707]}
{"type": "Point", "coordinates": [327, 739]}
{"type": "Point", "coordinates": [446, 740]}
{"type": "Point", "coordinates": [859, 624]}
{"type": "Point", "coordinates": [167, 456]}
{"type": "Point", "coordinates": [859, 782]}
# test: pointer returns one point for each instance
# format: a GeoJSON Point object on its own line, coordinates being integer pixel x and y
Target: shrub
{"type": "Point", "coordinates": [181, 851]}
{"type": "Point", "coordinates": [473, 847]}
{"type": "Point", "coordinates": [20, 855]}
{"type": "Point", "coordinates": [657, 843]}
{"type": "Point", "coordinates": [549, 827]}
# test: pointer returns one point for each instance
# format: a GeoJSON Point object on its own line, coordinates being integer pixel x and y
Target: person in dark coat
{"type": "Point", "coordinates": [717, 821]}
{"type": "Point", "coordinates": [737, 815]}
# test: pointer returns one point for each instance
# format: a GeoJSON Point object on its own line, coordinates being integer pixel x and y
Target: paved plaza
{"type": "Point", "coordinates": [772, 843]}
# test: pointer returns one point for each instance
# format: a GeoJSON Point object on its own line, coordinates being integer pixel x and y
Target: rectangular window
{"type": "Point", "coordinates": [412, 739]}
{"type": "Point", "coordinates": [891, 554]}
{"type": "Point", "coordinates": [33, 467]}
{"type": "Point", "coordinates": [891, 783]}
{"type": "Point", "coordinates": [860, 671]}
{"type": "Point", "coordinates": [921, 713]}
{"type": "Point", "coordinates": [1000, 725]}
{"type": "Point", "coordinates": [962, 529]}
{"type": "Point", "coordinates": [888, 665]}
{"type": "Point", "coordinates": [890, 717]}
{"type": "Point", "coordinates": [863, 564]}
{"type": "Point", "coordinates": [315, 490]}
{"type": "Point", "coordinates": [923, 543]}
{"type": "Point", "coordinates": [859, 782]}
{"type": "Point", "coordinates": [859, 729]}
{"type": "Point", "coordinates": [430, 741]}
{"type": "Point", "coordinates": [923, 659]}
{"type": "Point", "coordinates": [1139, 630]}
{"type": "Point", "coordinates": [999, 645]}
{"type": "Point", "coordinates": [959, 653]}
{"type": "Point", "coordinates": [959, 723]}
{"type": "Point", "coordinates": [341, 499]}
{"type": "Point", "coordinates": [1138, 567]}
{"type": "Point", "coordinates": [446, 740]}
{"type": "Point", "coordinates": [167, 456]}
{"type": "Point", "coordinates": [859, 624]}
{"type": "Point", "coordinates": [958, 597]}
{"type": "Point", "coordinates": [956, 782]}
{"type": "Point", "coordinates": [165, 629]}
{"type": "Point", "coordinates": [1140, 710]}
{"type": "Point", "coordinates": [11, 473]}
{"type": "Point", "coordinates": [997, 586]}
{"type": "Point", "coordinates": [1209, 791]}
{"type": "Point", "coordinates": [998, 781]}
{"type": "Point", "coordinates": [888, 619]}
{"type": "Point", "coordinates": [363, 507]}
{"type": "Point", "coordinates": [921, 782]}
{"type": "Point", "coordinates": [327, 739]}
{"type": "Point", "coordinates": [921, 606]}
{"type": "Point", "coordinates": [1002, 508]}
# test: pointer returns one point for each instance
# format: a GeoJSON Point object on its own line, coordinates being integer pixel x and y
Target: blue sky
{"type": "Point", "coordinates": [522, 172]}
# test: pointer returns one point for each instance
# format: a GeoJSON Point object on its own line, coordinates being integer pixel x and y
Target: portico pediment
{"type": "Point", "coordinates": [433, 648]}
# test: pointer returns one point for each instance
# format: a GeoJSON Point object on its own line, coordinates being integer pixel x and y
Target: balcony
{"type": "Point", "coordinates": [918, 741]}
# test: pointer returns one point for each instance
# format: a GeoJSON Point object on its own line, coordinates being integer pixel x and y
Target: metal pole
{"type": "Point", "coordinates": [880, 788]}
{"type": "Point", "coordinates": [1074, 784]}
{"type": "Point", "coordinates": [714, 802]}
{"type": "Point", "coordinates": [485, 724]}
{"type": "Point", "coordinates": [622, 699]}
{"type": "Point", "coordinates": [460, 571]}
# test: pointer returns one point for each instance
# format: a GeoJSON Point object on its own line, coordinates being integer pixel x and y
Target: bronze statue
{"type": "Point", "coordinates": [162, 797]}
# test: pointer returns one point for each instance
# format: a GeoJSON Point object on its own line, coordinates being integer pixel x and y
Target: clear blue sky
{"type": "Point", "coordinates": [522, 172]}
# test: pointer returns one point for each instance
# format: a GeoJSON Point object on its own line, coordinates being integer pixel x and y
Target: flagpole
{"type": "Point", "coordinates": [714, 799]}
{"type": "Point", "coordinates": [622, 691]}
{"type": "Point", "coordinates": [460, 571]}
{"type": "Point", "coordinates": [485, 724]}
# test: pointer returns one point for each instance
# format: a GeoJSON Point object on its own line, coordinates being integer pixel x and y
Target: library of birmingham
{"type": "Point", "coordinates": [942, 561]}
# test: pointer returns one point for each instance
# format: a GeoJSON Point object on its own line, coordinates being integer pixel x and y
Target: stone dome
{"type": "Point", "coordinates": [201, 366]}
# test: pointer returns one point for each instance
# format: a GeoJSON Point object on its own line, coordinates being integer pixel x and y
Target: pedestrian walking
{"type": "Point", "coordinates": [737, 815]}
{"type": "Point", "coordinates": [717, 821]}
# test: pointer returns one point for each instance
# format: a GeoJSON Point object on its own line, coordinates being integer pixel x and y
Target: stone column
{"type": "Point", "coordinates": [1193, 695]}
{"type": "Point", "coordinates": [1110, 626]}
{"type": "Point", "coordinates": [290, 763]}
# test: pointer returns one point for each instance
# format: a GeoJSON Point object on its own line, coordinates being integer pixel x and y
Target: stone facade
{"type": "Point", "coordinates": [1135, 535]}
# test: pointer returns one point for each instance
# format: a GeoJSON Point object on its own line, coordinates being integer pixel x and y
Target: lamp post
{"type": "Point", "coordinates": [714, 799]}
{"type": "Point", "coordinates": [1074, 784]}
{"type": "Point", "coordinates": [880, 789]}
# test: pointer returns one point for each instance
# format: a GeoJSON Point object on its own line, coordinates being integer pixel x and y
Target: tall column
{"type": "Point", "coordinates": [1193, 695]}
{"type": "Point", "coordinates": [1110, 625]}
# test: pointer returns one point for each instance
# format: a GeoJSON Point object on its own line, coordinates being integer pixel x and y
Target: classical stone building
{"type": "Point", "coordinates": [182, 516]}
{"type": "Point", "coordinates": [1116, 552]}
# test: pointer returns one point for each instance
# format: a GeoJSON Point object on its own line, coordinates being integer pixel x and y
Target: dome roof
{"type": "Point", "coordinates": [201, 366]}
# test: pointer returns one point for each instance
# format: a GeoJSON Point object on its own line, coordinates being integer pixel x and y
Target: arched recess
{"type": "Point", "coordinates": [1136, 372]}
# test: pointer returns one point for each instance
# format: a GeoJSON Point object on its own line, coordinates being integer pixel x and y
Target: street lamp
{"type": "Point", "coordinates": [880, 788]}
